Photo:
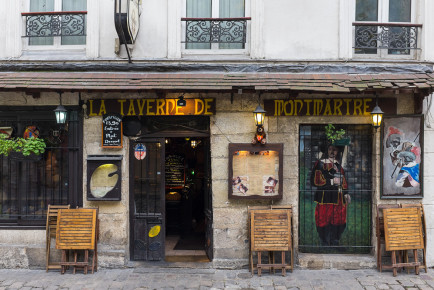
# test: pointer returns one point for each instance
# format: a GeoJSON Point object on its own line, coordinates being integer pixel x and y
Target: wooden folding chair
{"type": "Point", "coordinates": [249, 209]}
{"type": "Point", "coordinates": [380, 232]}
{"type": "Point", "coordinates": [271, 231]}
{"type": "Point", "coordinates": [291, 251]}
{"type": "Point", "coordinates": [420, 206]}
{"type": "Point", "coordinates": [76, 230]}
{"type": "Point", "coordinates": [50, 233]}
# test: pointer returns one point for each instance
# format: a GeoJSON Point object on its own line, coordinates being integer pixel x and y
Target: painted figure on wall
{"type": "Point", "coordinates": [331, 195]}
{"type": "Point", "coordinates": [405, 157]}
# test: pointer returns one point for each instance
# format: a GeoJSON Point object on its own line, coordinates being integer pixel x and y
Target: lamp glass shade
{"type": "Point", "coordinates": [193, 144]}
{"type": "Point", "coordinates": [377, 116]}
{"type": "Point", "coordinates": [259, 114]}
{"type": "Point", "coordinates": [61, 114]}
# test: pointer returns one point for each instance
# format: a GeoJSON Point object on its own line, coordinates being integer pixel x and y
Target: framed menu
{"type": "Point", "coordinates": [111, 131]}
{"type": "Point", "coordinates": [255, 172]}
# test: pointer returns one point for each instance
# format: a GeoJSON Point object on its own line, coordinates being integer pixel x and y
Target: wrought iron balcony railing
{"type": "Point", "coordinates": [370, 36]}
{"type": "Point", "coordinates": [215, 30]}
{"type": "Point", "coordinates": [59, 23]}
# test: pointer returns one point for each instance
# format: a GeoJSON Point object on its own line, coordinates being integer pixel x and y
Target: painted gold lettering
{"type": "Point", "coordinates": [131, 110]}
{"type": "Point", "coordinates": [207, 107]}
{"type": "Point", "coordinates": [357, 107]}
{"type": "Point", "coordinates": [328, 109]}
{"type": "Point", "coordinates": [285, 105]}
{"type": "Point", "coordinates": [91, 113]}
{"type": "Point", "coordinates": [366, 106]}
{"type": "Point", "coordinates": [198, 102]}
{"type": "Point", "coordinates": [347, 102]}
{"type": "Point", "coordinates": [308, 107]}
{"type": "Point", "coordinates": [296, 109]}
{"type": "Point", "coordinates": [141, 105]}
{"type": "Point", "coordinates": [149, 107]}
{"type": "Point", "coordinates": [317, 107]}
{"type": "Point", "coordinates": [102, 109]}
{"type": "Point", "coordinates": [121, 102]}
{"type": "Point", "coordinates": [168, 103]}
{"type": "Point", "coordinates": [278, 107]}
{"type": "Point", "coordinates": [160, 107]}
{"type": "Point", "coordinates": [177, 112]}
{"type": "Point", "coordinates": [337, 103]}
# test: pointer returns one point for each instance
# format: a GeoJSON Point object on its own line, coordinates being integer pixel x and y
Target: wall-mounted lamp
{"type": "Point", "coordinates": [60, 112]}
{"type": "Point", "coordinates": [181, 101]}
{"type": "Point", "coordinates": [377, 115]}
{"type": "Point", "coordinates": [195, 143]}
{"type": "Point", "coordinates": [259, 114]}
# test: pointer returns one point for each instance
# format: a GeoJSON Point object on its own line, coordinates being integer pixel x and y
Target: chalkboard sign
{"type": "Point", "coordinates": [175, 172]}
{"type": "Point", "coordinates": [111, 131]}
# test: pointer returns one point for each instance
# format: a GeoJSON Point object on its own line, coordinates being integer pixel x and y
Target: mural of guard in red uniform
{"type": "Point", "coordinates": [331, 196]}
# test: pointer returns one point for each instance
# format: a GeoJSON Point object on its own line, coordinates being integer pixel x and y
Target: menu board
{"type": "Point", "coordinates": [255, 172]}
{"type": "Point", "coordinates": [175, 171]}
{"type": "Point", "coordinates": [111, 131]}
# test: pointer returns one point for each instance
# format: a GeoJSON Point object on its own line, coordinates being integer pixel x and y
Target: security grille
{"type": "Point", "coordinates": [328, 223]}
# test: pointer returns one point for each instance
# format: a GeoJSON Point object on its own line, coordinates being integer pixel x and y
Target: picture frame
{"type": "Point", "coordinates": [255, 171]}
{"type": "Point", "coordinates": [402, 157]}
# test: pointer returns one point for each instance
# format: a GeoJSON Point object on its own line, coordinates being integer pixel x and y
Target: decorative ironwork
{"type": "Point", "coordinates": [48, 24]}
{"type": "Point", "coordinates": [391, 36]}
{"type": "Point", "coordinates": [215, 30]}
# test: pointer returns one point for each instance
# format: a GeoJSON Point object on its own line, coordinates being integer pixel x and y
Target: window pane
{"type": "Point", "coordinates": [42, 6]}
{"type": "Point", "coordinates": [366, 10]}
{"type": "Point", "coordinates": [230, 9]}
{"type": "Point", "coordinates": [200, 9]}
{"type": "Point", "coordinates": [73, 5]}
{"type": "Point", "coordinates": [400, 11]}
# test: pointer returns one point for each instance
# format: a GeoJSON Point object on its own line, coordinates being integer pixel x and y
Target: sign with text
{"type": "Point", "coordinates": [111, 131]}
{"type": "Point", "coordinates": [151, 107]}
{"type": "Point", "coordinates": [328, 106]}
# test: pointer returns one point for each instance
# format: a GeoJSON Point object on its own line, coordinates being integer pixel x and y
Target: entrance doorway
{"type": "Point", "coordinates": [170, 197]}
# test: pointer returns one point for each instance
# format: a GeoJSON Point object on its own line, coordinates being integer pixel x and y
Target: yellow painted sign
{"type": "Point", "coordinates": [154, 231]}
{"type": "Point", "coordinates": [150, 107]}
{"type": "Point", "coordinates": [326, 107]}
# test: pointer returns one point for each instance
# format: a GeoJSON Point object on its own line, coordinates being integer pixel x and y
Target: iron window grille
{"type": "Point", "coordinates": [216, 30]}
{"type": "Point", "coordinates": [398, 38]}
{"type": "Point", "coordinates": [27, 187]}
{"type": "Point", "coordinates": [59, 23]}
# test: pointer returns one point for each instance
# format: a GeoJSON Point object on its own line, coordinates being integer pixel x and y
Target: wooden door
{"type": "Point", "coordinates": [147, 210]}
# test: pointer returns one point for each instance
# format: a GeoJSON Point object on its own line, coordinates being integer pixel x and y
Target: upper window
{"type": "Point", "coordinates": [56, 23]}
{"type": "Point", "coordinates": [385, 27]}
{"type": "Point", "coordinates": [215, 24]}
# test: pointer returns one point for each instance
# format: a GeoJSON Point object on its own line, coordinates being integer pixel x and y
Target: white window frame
{"type": "Point", "coordinates": [215, 46]}
{"type": "Point", "coordinates": [383, 17]}
{"type": "Point", "coordinates": [57, 40]}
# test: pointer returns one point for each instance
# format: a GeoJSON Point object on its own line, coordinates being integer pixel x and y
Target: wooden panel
{"type": "Point", "coordinates": [76, 229]}
{"type": "Point", "coordinates": [271, 230]}
{"type": "Point", "coordinates": [403, 229]}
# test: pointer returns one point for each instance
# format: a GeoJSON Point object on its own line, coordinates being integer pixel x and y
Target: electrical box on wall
{"type": "Point", "coordinates": [104, 176]}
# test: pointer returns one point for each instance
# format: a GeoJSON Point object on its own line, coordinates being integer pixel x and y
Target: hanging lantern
{"type": "Point", "coordinates": [60, 112]}
{"type": "Point", "coordinates": [259, 114]}
{"type": "Point", "coordinates": [377, 116]}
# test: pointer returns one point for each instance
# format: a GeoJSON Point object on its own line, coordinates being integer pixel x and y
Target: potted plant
{"type": "Point", "coordinates": [21, 148]}
{"type": "Point", "coordinates": [336, 137]}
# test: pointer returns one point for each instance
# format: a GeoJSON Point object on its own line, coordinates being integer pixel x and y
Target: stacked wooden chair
{"type": "Point", "coordinates": [50, 233]}
{"type": "Point", "coordinates": [77, 231]}
{"type": "Point", "coordinates": [380, 234]}
{"type": "Point", "coordinates": [270, 230]}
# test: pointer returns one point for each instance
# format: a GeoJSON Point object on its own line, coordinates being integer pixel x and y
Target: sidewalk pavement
{"type": "Point", "coordinates": [188, 278]}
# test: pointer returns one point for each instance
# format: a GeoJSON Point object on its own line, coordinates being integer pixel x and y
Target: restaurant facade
{"type": "Point", "coordinates": [161, 135]}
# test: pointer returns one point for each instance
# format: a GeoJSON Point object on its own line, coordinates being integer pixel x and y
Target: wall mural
{"type": "Point", "coordinates": [402, 157]}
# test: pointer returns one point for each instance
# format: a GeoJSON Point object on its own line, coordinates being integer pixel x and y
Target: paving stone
{"type": "Point", "coordinates": [371, 288]}
{"type": "Point", "coordinates": [424, 287]}
{"type": "Point", "coordinates": [382, 286]}
{"type": "Point", "coordinates": [397, 287]}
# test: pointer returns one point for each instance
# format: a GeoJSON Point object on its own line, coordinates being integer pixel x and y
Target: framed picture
{"type": "Point", "coordinates": [255, 171]}
{"type": "Point", "coordinates": [402, 157]}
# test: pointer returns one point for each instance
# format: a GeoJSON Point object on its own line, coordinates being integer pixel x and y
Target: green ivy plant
{"type": "Point", "coordinates": [333, 134]}
{"type": "Point", "coordinates": [25, 146]}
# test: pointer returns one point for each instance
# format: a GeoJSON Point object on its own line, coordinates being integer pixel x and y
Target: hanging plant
{"type": "Point", "coordinates": [25, 147]}
{"type": "Point", "coordinates": [336, 137]}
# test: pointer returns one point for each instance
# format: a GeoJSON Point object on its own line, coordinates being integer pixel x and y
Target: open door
{"type": "Point", "coordinates": [147, 210]}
